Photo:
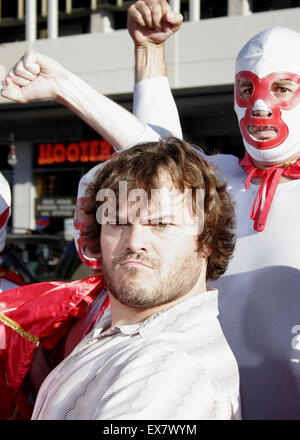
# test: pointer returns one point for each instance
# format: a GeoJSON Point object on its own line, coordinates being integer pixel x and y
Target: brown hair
{"type": "Point", "coordinates": [141, 167]}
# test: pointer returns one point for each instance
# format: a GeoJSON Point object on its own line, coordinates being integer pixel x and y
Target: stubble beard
{"type": "Point", "coordinates": [122, 284]}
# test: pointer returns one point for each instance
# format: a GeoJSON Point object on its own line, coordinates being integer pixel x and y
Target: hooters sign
{"type": "Point", "coordinates": [84, 151]}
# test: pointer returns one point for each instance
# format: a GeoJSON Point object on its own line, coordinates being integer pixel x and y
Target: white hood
{"type": "Point", "coordinates": [275, 50]}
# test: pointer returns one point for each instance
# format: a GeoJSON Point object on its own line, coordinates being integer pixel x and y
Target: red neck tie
{"type": "Point", "coordinates": [271, 178]}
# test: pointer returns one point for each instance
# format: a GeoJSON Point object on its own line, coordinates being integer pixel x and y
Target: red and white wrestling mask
{"type": "Point", "coordinates": [267, 94]}
{"type": "Point", "coordinates": [80, 221]}
{"type": "Point", "coordinates": [5, 202]}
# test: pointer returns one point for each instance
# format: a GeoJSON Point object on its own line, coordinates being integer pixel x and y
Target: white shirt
{"type": "Point", "coordinates": [260, 292]}
{"type": "Point", "coordinates": [176, 364]}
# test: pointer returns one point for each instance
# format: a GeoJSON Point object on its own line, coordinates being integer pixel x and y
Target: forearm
{"type": "Point", "coordinates": [153, 102]}
{"type": "Point", "coordinates": [118, 126]}
{"type": "Point", "coordinates": [150, 62]}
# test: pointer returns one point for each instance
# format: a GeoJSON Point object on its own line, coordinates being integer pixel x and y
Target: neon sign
{"type": "Point", "coordinates": [83, 151]}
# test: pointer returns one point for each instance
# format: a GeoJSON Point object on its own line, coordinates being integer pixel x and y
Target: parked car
{"type": "Point", "coordinates": [41, 257]}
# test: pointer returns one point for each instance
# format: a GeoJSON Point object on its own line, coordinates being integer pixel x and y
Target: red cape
{"type": "Point", "coordinates": [32, 314]}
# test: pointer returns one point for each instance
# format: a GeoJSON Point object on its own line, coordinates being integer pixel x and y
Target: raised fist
{"type": "Point", "coordinates": [35, 77]}
{"type": "Point", "coordinates": [152, 22]}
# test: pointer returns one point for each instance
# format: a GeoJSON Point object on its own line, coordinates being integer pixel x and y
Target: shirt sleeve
{"type": "Point", "coordinates": [158, 385]}
{"type": "Point", "coordinates": [153, 103]}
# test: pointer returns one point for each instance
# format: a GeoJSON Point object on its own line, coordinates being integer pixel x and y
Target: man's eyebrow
{"type": "Point", "coordinates": [244, 82]}
{"type": "Point", "coordinates": [162, 218]}
{"type": "Point", "coordinates": [285, 81]}
{"type": "Point", "coordinates": [165, 218]}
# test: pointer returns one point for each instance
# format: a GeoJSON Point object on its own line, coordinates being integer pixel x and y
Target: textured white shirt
{"type": "Point", "coordinates": [176, 364]}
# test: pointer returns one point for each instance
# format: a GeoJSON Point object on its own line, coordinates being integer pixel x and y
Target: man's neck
{"type": "Point", "coordinates": [267, 165]}
{"type": "Point", "coordinates": [125, 315]}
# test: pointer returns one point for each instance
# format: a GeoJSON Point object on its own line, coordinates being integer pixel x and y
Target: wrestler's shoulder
{"type": "Point", "coordinates": [224, 164]}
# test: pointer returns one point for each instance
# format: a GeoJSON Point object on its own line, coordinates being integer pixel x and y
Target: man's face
{"type": "Point", "coordinates": [154, 260]}
{"type": "Point", "coordinates": [264, 99]}
{"type": "Point", "coordinates": [282, 90]}
{"type": "Point", "coordinates": [267, 95]}
{"type": "Point", "coordinates": [268, 112]}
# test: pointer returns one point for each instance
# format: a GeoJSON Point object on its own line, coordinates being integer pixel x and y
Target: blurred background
{"type": "Point", "coordinates": [45, 148]}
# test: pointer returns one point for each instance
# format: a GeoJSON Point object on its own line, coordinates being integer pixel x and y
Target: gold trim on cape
{"type": "Point", "coordinates": [17, 328]}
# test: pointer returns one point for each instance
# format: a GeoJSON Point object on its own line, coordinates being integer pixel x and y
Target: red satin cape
{"type": "Point", "coordinates": [33, 314]}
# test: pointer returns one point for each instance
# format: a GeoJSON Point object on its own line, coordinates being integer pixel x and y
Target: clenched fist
{"type": "Point", "coordinates": [35, 77]}
{"type": "Point", "coordinates": [152, 22]}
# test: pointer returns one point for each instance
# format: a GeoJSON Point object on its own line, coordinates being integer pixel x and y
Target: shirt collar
{"type": "Point", "coordinates": [199, 308]}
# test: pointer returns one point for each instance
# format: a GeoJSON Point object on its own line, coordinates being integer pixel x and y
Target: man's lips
{"type": "Point", "coordinates": [262, 132]}
{"type": "Point", "coordinates": [135, 262]}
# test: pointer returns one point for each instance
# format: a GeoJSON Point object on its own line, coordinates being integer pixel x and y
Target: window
{"type": "Point", "coordinates": [268, 5]}
{"type": "Point", "coordinates": [209, 8]}
{"type": "Point", "coordinates": [9, 9]}
{"type": "Point", "coordinates": [79, 4]}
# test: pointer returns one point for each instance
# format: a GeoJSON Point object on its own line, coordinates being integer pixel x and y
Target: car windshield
{"type": "Point", "coordinates": [42, 257]}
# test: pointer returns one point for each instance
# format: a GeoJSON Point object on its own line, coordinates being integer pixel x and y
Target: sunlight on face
{"type": "Point", "coordinates": [154, 260]}
{"type": "Point", "coordinates": [281, 89]}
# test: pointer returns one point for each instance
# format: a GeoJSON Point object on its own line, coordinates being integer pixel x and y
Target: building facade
{"type": "Point", "coordinates": [89, 37]}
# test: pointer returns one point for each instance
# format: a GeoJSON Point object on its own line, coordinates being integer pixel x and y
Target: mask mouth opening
{"type": "Point", "coordinates": [262, 133]}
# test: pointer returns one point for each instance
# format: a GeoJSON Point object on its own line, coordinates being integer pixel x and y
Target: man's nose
{"type": "Point", "coordinates": [136, 238]}
{"type": "Point", "coordinates": [261, 110]}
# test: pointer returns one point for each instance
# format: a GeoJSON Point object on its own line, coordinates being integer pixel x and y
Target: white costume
{"type": "Point", "coordinates": [5, 203]}
{"type": "Point", "coordinates": [260, 293]}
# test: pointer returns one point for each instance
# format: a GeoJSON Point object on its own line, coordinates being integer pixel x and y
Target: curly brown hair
{"type": "Point", "coordinates": [141, 167]}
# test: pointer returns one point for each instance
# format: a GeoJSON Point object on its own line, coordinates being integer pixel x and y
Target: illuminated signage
{"type": "Point", "coordinates": [54, 207]}
{"type": "Point", "coordinates": [84, 151]}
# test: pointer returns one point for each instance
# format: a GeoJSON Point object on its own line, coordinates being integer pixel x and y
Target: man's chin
{"type": "Point", "coordinates": [136, 298]}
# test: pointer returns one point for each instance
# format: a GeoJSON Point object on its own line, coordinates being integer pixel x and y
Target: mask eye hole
{"type": "Point", "coordinates": [284, 89]}
{"type": "Point", "coordinates": [79, 214]}
{"type": "Point", "coordinates": [80, 217]}
{"type": "Point", "coordinates": [245, 87]}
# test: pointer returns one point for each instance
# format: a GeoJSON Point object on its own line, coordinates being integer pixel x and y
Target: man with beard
{"type": "Point", "coordinates": [160, 224]}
